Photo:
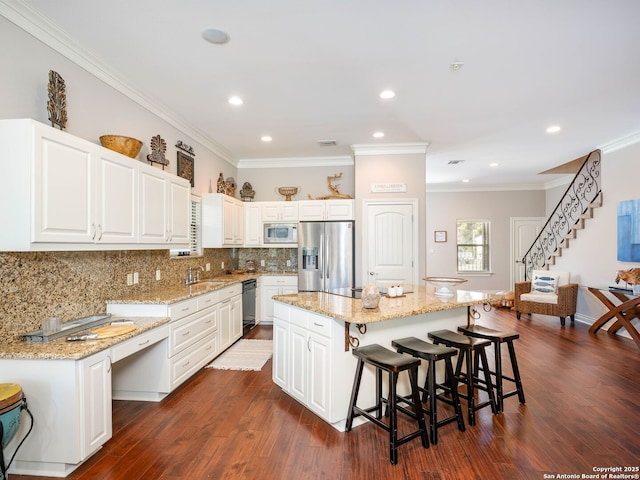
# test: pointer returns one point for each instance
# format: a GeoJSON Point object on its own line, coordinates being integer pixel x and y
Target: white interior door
{"type": "Point", "coordinates": [390, 243]}
{"type": "Point", "coordinates": [524, 231]}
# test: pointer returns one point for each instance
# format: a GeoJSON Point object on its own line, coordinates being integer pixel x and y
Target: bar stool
{"type": "Point", "coordinates": [473, 353]}
{"type": "Point", "coordinates": [393, 363]}
{"type": "Point", "coordinates": [497, 337]}
{"type": "Point", "coordinates": [432, 354]}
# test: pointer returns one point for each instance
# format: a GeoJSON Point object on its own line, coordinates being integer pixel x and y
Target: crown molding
{"type": "Point", "coordinates": [390, 148]}
{"type": "Point", "coordinates": [433, 188]}
{"type": "Point", "coordinates": [294, 162]}
{"type": "Point", "coordinates": [620, 143]}
{"type": "Point", "coordinates": [34, 23]}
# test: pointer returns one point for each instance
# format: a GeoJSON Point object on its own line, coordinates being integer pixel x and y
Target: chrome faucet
{"type": "Point", "coordinates": [193, 276]}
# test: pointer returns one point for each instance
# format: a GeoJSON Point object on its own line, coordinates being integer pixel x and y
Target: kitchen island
{"type": "Point", "coordinates": [314, 332]}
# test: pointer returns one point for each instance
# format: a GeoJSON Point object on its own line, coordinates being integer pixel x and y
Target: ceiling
{"type": "Point", "coordinates": [310, 71]}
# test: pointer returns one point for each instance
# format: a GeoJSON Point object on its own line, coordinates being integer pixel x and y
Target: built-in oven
{"type": "Point", "coordinates": [248, 305]}
{"type": "Point", "coordinates": [280, 233]}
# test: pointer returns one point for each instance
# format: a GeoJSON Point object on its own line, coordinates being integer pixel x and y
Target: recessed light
{"type": "Point", "coordinates": [387, 94]}
{"type": "Point", "coordinates": [466, 180]}
{"type": "Point", "coordinates": [553, 129]}
{"type": "Point", "coordinates": [213, 35]}
{"type": "Point", "coordinates": [236, 101]}
{"type": "Point", "coordinates": [266, 138]}
{"type": "Point", "coordinates": [494, 164]}
{"type": "Point", "coordinates": [455, 66]}
{"type": "Point", "coordinates": [378, 135]}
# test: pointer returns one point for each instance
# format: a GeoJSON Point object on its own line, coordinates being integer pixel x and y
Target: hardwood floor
{"type": "Point", "coordinates": [582, 412]}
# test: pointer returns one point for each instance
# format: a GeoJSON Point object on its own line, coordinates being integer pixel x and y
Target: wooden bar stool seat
{"type": "Point", "coordinates": [393, 363]}
{"type": "Point", "coordinates": [497, 337]}
{"type": "Point", "coordinates": [433, 354]}
{"type": "Point", "coordinates": [473, 354]}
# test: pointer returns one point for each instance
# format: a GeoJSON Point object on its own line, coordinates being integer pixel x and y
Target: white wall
{"type": "Point", "coordinates": [592, 256]}
{"type": "Point", "coordinates": [445, 208]}
{"type": "Point", "coordinates": [93, 107]}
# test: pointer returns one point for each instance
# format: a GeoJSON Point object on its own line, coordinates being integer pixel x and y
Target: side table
{"type": "Point", "coordinates": [622, 313]}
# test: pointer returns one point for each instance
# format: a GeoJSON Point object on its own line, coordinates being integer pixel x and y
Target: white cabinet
{"type": "Point", "coordinates": [302, 357]}
{"type": "Point", "coordinates": [67, 193]}
{"type": "Point", "coordinates": [222, 221]}
{"type": "Point", "coordinates": [270, 285]}
{"type": "Point", "coordinates": [201, 328]}
{"type": "Point", "coordinates": [164, 207]}
{"type": "Point", "coordinates": [95, 384]}
{"type": "Point", "coordinates": [230, 317]}
{"type": "Point", "coordinates": [71, 403]}
{"type": "Point", "coordinates": [279, 212]}
{"type": "Point", "coordinates": [252, 224]}
{"type": "Point", "coordinates": [313, 210]}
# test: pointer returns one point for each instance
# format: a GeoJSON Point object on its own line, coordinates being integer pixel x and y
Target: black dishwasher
{"type": "Point", "coordinates": [248, 305]}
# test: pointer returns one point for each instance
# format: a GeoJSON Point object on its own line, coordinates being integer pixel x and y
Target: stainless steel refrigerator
{"type": "Point", "coordinates": [325, 257]}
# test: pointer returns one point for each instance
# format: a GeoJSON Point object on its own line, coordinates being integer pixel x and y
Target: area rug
{"type": "Point", "coordinates": [244, 355]}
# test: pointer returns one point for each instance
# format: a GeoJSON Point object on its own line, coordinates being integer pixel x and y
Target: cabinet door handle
{"type": "Point", "coordinates": [186, 333]}
{"type": "Point", "coordinates": [143, 343]}
{"type": "Point", "coordinates": [110, 363]}
{"type": "Point", "coordinates": [100, 230]}
{"type": "Point", "coordinates": [186, 364]}
{"type": "Point", "coordinates": [185, 309]}
{"type": "Point", "coordinates": [318, 324]}
{"type": "Point", "coordinates": [308, 344]}
{"type": "Point", "coordinates": [93, 231]}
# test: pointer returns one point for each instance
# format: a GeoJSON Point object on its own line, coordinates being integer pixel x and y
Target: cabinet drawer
{"type": "Point", "coordinates": [189, 330]}
{"type": "Point", "coordinates": [189, 361]}
{"type": "Point", "coordinates": [281, 311]}
{"type": "Point", "coordinates": [182, 309]}
{"type": "Point", "coordinates": [139, 342]}
{"type": "Point", "coordinates": [208, 300]}
{"type": "Point", "coordinates": [229, 292]}
{"type": "Point", "coordinates": [319, 324]}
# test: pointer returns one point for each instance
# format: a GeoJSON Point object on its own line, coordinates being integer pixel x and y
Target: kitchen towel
{"type": "Point", "coordinates": [244, 355]}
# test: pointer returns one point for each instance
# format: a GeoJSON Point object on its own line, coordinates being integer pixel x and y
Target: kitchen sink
{"type": "Point", "coordinates": [207, 283]}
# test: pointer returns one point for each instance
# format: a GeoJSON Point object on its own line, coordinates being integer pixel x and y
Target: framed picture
{"type": "Point", "coordinates": [185, 167]}
{"type": "Point", "coordinates": [440, 235]}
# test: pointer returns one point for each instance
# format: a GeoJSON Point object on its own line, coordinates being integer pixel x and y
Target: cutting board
{"type": "Point", "coordinates": [108, 331]}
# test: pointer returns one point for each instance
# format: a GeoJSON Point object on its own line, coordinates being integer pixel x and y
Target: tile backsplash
{"type": "Point", "coordinates": [72, 285]}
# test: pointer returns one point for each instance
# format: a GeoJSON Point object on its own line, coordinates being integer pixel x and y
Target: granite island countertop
{"type": "Point", "coordinates": [422, 300]}
{"type": "Point", "coordinates": [60, 349]}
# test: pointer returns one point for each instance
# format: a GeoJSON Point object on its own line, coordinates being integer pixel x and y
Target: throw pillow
{"type": "Point", "coordinates": [545, 282]}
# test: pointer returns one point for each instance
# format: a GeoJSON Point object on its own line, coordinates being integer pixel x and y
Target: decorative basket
{"type": "Point", "coordinates": [125, 145]}
{"type": "Point", "coordinates": [287, 192]}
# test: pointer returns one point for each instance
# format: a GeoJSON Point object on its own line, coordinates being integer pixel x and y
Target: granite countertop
{"type": "Point", "coordinates": [60, 349]}
{"type": "Point", "coordinates": [422, 300]}
{"type": "Point", "coordinates": [182, 292]}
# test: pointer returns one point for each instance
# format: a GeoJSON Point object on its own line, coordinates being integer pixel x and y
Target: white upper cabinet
{"type": "Point", "coordinates": [164, 207]}
{"type": "Point", "coordinates": [310, 210]}
{"type": "Point", "coordinates": [252, 224]}
{"type": "Point", "coordinates": [64, 193]}
{"type": "Point", "coordinates": [283, 211]}
{"type": "Point", "coordinates": [222, 221]}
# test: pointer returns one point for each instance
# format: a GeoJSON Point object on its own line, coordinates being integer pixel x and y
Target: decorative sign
{"type": "Point", "coordinates": [388, 187]}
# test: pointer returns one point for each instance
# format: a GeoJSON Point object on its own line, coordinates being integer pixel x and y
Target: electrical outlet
{"type": "Point", "coordinates": [129, 279]}
{"type": "Point", "coordinates": [222, 265]}
{"type": "Point", "coordinates": [207, 267]}
{"type": "Point", "coordinates": [288, 263]}
{"type": "Point", "coordinates": [136, 278]}
{"type": "Point", "coordinates": [262, 263]}
{"type": "Point", "coordinates": [158, 275]}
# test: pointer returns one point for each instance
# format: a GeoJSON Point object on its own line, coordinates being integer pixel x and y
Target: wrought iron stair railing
{"type": "Point", "coordinates": [568, 215]}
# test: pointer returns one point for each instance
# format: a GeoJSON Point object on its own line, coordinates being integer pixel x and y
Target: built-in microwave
{"type": "Point", "coordinates": [280, 233]}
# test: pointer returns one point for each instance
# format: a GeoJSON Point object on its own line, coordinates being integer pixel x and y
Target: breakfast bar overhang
{"type": "Point", "coordinates": [314, 331]}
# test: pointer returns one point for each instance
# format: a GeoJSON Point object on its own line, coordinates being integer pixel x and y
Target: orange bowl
{"type": "Point", "coordinates": [125, 145]}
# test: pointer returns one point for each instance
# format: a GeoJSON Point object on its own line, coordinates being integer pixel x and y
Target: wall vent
{"type": "Point", "coordinates": [327, 143]}
{"type": "Point", "coordinates": [454, 162]}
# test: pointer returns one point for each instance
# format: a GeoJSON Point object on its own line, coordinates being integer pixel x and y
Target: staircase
{"type": "Point", "coordinates": [574, 208]}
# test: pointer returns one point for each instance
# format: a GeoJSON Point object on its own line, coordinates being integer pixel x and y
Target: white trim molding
{"type": "Point", "coordinates": [620, 143]}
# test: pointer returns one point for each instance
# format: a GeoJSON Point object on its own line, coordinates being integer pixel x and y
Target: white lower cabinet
{"type": "Point", "coordinates": [71, 406]}
{"type": "Point", "coordinates": [230, 315]}
{"type": "Point", "coordinates": [302, 357]}
{"type": "Point", "coordinates": [268, 287]}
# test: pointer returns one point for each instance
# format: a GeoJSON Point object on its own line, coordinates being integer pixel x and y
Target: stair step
{"type": "Point", "coordinates": [571, 234]}
{"type": "Point", "coordinates": [597, 202]}
{"type": "Point", "coordinates": [588, 213]}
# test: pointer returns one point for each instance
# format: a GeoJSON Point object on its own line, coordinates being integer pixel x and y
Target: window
{"type": "Point", "coordinates": [195, 239]}
{"type": "Point", "coordinates": [472, 238]}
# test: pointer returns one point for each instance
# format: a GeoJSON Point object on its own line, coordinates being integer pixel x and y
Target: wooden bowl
{"type": "Point", "coordinates": [125, 145]}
